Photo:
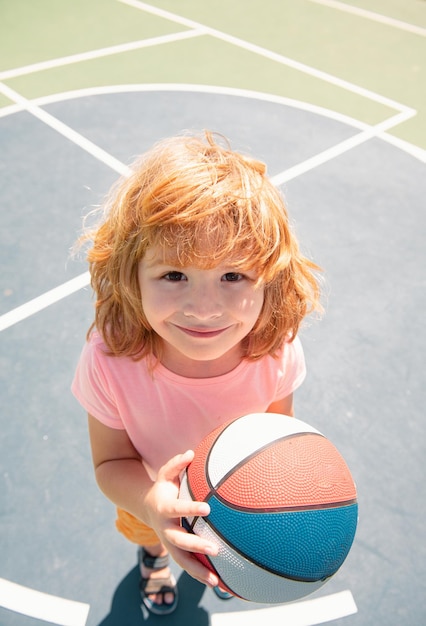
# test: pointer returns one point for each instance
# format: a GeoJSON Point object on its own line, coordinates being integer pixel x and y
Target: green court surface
{"type": "Point", "coordinates": [353, 62]}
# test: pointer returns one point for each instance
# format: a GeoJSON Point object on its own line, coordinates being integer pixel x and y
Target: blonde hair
{"type": "Point", "coordinates": [209, 204]}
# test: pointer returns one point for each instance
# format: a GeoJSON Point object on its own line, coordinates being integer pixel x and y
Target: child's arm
{"type": "Point", "coordinates": [284, 406]}
{"type": "Point", "coordinates": [122, 477]}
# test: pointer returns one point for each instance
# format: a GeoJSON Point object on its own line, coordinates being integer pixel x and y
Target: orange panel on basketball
{"type": "Point", "coordinates": [301, 470]}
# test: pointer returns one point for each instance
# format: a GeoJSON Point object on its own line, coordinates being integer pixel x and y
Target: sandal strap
{"type": "Point", "coordinates": [157, 585]}
{"type": "Point", "coordinates": [153, 562]}
{"type": "Point", "coordinates": [163, 586]}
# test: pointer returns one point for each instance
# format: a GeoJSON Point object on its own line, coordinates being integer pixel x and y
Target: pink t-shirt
{"type": "Point", "coordinates": [165, 414]}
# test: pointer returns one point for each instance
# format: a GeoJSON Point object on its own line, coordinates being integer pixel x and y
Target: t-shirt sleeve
{"type": "Point", "coordinates": [293, 371]}
{"type": "Point", "coordinates": [91, 387]}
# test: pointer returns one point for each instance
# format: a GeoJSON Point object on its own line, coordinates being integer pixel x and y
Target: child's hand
{"type": "Point", "coordinates": [165, 510]}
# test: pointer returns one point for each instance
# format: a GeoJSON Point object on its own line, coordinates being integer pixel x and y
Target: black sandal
{"type": "Point", "coordinates": [150, 586]}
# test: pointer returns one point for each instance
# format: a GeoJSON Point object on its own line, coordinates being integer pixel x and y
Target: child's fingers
{"type": "Point", "coordinates": [177, 537]}
{"type": "Point", "coordinates": [193, 543]}
{"type": "Point", "coordinates": [188, 508]}
{"type": "Point", "coordinates": [175, 466]}
{"type": "Point", "coordinates": [187, 561]}
{"type": "Point", "coordinates": [169, 509]}
{"type": "Point", "coordinates": [197, 570]}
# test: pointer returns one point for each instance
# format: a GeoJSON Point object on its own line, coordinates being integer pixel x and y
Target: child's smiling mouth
{"type": "Point", "coordinates": [201, 332]}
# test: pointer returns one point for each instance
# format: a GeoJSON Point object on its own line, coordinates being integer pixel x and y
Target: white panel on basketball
{"type": "Point", "coordinates": [247, 579]}
{"type": "Point", "coordinates": [243, 437]}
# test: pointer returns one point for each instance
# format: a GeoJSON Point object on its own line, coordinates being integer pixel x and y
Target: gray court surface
{"type": "Point", "coordinates": [361, 216]}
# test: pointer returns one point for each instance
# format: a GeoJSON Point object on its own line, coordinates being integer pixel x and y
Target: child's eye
{"type": "Point", "coordinates": [174, 277]}
{"type": "Point", "coordinates": [232, 277]}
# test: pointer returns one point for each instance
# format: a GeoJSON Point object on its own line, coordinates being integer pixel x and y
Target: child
{"type": "Point", "coordinates": [200, 290]}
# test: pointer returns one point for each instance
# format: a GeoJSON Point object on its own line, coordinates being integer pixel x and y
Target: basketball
{"type": "Point", "coordinates": [283, 506]}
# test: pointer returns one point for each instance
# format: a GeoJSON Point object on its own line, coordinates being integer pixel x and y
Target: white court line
{"type": "Point", "coordinates": [173, 17]}
{"type": "Point", "coordinates": [43, 101]}
{"type": "Point", "coordinates": [41, 605]}
{"type": "Point", "coordinates": [42, 302]}
{"type": "Point", "coordinates": [409, 148]}
{"type": "Point", "coordinates": [273, 56]}
{"type": "Point", "coordinates": [305, 613]}
{"type": "Point", "coordinates": [371, 15]}
{"type": "Point", "coordinates": [66, 131]}
{"type": "Point", "coordinates": [10, 109]}
{"type": "Point", "coordinates": [54, 295]}
{"type": "Point", "coordinates": [58, 293]}
{"type": "Point", "coordinates": [340, 148]}
{"type": "Point", "coordinates": [100, 52]}
{"type": "Point", "coordinates": [401, 144]}
{"type": "Point", "coordinates": [193, 88]}
{"type": "Point", "coordinates": [198, 29]}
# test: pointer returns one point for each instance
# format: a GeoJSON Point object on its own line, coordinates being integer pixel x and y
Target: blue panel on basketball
{"type": "Point", "coordinates": [283, 506]}
{"type": "Point", "coordinates": [308, 545]}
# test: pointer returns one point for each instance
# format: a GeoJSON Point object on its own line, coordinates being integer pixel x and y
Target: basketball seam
{"type": "Point", "coordinates": [219, 434]}
{"type": "Point", "coordinates": [252, 560]}
{"type": "Point", "coordinates": [284, 509]}
{"type": "Point", "coordinates": [247, 458]}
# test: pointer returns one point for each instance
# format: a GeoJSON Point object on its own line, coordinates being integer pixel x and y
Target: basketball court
{"type": "Point", "coordinates": [332, 96]}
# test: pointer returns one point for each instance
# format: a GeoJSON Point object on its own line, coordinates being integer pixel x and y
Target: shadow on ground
{"type": "Point", "coordinates": [126, 609]}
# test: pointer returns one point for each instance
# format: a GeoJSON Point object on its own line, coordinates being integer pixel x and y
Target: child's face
{"type": "Point", "coordinates": [202, 315]}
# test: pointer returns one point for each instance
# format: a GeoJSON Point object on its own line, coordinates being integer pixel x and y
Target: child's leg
{"type": "Point", "coordinates": [158, 586]}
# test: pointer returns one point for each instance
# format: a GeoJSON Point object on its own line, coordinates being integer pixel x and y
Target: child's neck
{"type": "Point", "coordinates": [191, 368]}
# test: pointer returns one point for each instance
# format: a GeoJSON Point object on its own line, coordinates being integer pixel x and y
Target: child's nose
{"type": "Point", "coordinates": [204, 304]}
